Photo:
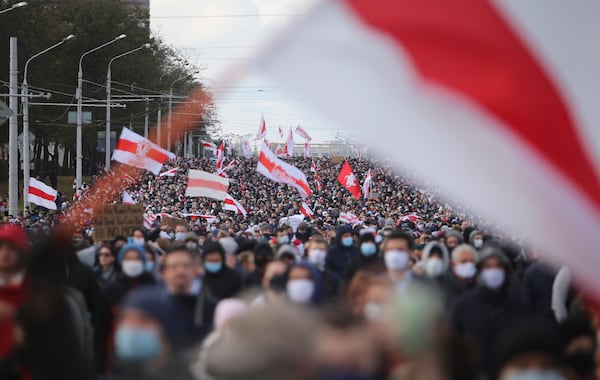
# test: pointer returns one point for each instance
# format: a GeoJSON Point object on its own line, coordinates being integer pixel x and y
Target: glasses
{"type": "Point", "coordinates": [105, 254]}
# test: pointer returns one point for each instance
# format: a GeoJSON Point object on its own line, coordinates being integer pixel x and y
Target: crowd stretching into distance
{"type": "Point", "coordinates": [416, 288]}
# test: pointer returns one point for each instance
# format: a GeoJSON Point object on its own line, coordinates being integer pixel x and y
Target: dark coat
{"type": "Point", "coordinates": [107, 310]}
{"type": "Point", "coordinates": [338, 256]}
{"type": "Point", "coordinates": [372, 263]}
{"type": "Point", "coordinates": [538, 280]}
{"type": "Point", "coordinates": [223, 284]}
{"type": "Point", "coordinates": [452, 287]}
{"type": "Point", "coordinates": [485, 316]}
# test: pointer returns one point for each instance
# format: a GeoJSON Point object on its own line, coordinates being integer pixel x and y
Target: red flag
{"type": "Point", "coordinates": [348, 180]}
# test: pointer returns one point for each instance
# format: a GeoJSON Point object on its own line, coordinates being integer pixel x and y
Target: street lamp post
{"type": "Point", "coordinates": [14, 6]}
{"type": "Point", "coordinates": [79, 143]}
{"type": "Point", "coordinates": [108, 81]}
{"type": "Point", "coordinates": [171, 107]}
{"type": "Point", "coordinates": [25, 96]}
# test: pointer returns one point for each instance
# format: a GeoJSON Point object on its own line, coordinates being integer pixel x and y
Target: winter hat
{"type": "Point", "coordinates": [472, 235]}
{"type": "Point", "coordinates": [367, 238]}
{"type": "Point", "coordinates": [132, 247]}
{"type": "Point", "coordinates": [287, 249]}
{"type": "Point", "coordinates": [211, 247]}
{"type": "Point", "coordinates": [191, 236]}
{"type": "Point", "coordinates": [229, 245]}
{"type": "Point", "coordinates": [456, 234]}
{"type": "Point", "coordinates": [153, 302]}
{"type": "Point", "coordinates": [493, 252]}
{"type": "Point", "coordinates": [227, 309]}
{"type": "Point", "coordinates": [16, 236]}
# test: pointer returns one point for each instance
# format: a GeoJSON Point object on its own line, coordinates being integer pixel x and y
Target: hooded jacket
{"type": "Point", "coordinates": [315, 276]}
{"type": "Point", "coordinates": [339, 256]}
{"type": "Point", "coordinates": [226, 282]}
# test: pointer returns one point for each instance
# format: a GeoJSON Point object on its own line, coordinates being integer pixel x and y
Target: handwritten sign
{"type": "Point", "coordinates": [118, 220]}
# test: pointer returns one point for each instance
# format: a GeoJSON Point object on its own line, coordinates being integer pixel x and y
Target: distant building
{"type": "Point", "coordinates": [144, 4]}
{"type": "Point", "coordinates": [142, 10]}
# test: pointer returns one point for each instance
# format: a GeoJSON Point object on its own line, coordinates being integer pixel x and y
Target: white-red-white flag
{"type": "Point", "coordinates": [262, 129]}
{"type": "Point", "coordinates": [203, 184]}
{"type": "Point", "coordinates": [211, 147]}
{"type": "Point", "coordinates": [349, 218]}
{"type": "Point", "coordinates": [220, 156]}
{"type": "Point", "coordinates": [348, 180]}
{"type": "Point", "coordinates": [279, 171]}
{"type": "Point", "coordinates": [169, 173]}
{"type": "Point", "coordinates": [134, 150]}
{"type": "Point", "coordinates": [41, 194]}
{"type": "Point", "coordinates": [127, 198]}
{"type": "Point", "coordinates": [501, 82]}
{"type": "Point", "coordinates": [306, 211]}
{"type": "Point", "coordinates": [280, 132]}
{"type": "Point", "coordinates": [303, 133]}
{"type": "Point", "coordinates": [366, 187]}
{"type": "Point", "coordinates": [289, 144]}
{"type": "Point", "coordinates": [280, 151]}
{"type": "Point", "coordinates": [231, 204]}
{"type": "Point", "coordinates": [306, 149]}
{"type": "Point", "coordinates": [223, 172]}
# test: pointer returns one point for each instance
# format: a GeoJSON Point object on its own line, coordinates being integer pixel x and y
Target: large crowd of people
{"type": "Point", "coordinates": [415, 288]}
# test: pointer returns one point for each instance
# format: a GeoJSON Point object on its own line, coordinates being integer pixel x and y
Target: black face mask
{"type": "Point", "coordinates": [581, 362]}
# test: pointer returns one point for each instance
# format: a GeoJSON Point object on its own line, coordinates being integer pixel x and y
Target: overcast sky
{"type": "Point", "coordinates": [216, 34]}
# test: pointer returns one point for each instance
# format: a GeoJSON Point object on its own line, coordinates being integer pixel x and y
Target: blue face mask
{"type": "Point", "coordinates": [368, 249]}
{"type": "Point", "coordinates": [180, 236]}
{"type": "Point", "coordinates": [347, 241]}
{"type": "Point", "coordinates": [213, 267]}
{"type": "Point", "coordinates": [137, 345]}
{"type": "Point", "coordinates": [283, 239]}
{"type": "Point", "coordinates": [149, 266]}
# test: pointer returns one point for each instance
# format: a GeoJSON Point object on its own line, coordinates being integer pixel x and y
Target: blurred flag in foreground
{"type": "Point", "coordinates": [134, 150]}
{"type": "Point", "coordinates": [41, 194]}
{"type": "Point", "coordinates": [504, 90]}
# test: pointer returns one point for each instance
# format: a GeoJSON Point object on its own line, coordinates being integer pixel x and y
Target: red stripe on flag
{"type": "Point", "coordinates": [490, 69]}
{"type": "Point", "coordinates": [131, 147]}
{"type": "Point", "coordinates": [270, 165]}
{"type": "Point", "coordinates": [212, 185]}
{"type": "Point", "coordinates": [127, 146]}
{"type": "Point", "coordinates": [40, 193]}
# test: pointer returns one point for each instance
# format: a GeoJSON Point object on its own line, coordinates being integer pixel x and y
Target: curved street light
{"type": "Point", "coordinates": [108, 81]}
{"type": "Point", "coordinates": [14, 6]}
{"type": "Point", "coordinates": [25, 94]}
{"type": "Point", "coordinates": [79, 93]}
{"type": "Point", "coordinates": [171, 106]}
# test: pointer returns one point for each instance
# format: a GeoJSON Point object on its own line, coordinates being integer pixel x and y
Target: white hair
{"type": "Point", "coordinates": [464, 247]}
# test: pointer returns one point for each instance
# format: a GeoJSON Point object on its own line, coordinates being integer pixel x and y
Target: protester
{"type": "Point", "coordinates": [316, 251]}
{"type": "Point", "coordinates": [220, 280]}
{"type": "Point", "coordinates": [342, 251]}
{"type": "Point", "coordinates": [106, 270]}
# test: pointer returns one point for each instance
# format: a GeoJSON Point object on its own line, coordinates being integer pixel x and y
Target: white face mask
{"type": "Point", "coordinates": [478, 243]}
{"type": "Point", "coordinates": [434, 267]}
{"type": "Point", "coordinates": [465, 270]}
{"type": "Point", "coordinates": [317, 257]}
{"type": "Point", "coordinates": [493, 278]}
{"type": "Point", "coordinates": [191, 245]}
{"type": "Point", "coordinates": [300, 291]}
{"type": "Point", "coordinates": [139, 241]}
{"type": "Point", "coordinates": [396, 260]}
{"type": "Point", "coordinates": [534, 374]}
{"type": "Point", "coordinates": [133, 268]}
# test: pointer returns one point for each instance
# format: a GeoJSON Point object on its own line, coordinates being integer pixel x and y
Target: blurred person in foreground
{"type": "Point", "coordinates": [267, 343]}
{"type": "Point", "coordinates": [579, 345]}
{"type": "Point", "coordinates": [132, 259]}
{"type": "Point", "coordinates": [145, 338]}
{"type": "Point", "coordinates": [273, 284]}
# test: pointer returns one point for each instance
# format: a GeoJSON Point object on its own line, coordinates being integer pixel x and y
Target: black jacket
{"type": "Point", "coordinates": [484, 316]}
{"type": "Point", "coordinates": [223, 284]}
{"type": "Point", "coordinates": [372, 263]}
{"type": "Point", "coordinates": [339, 256]}
{"type": "Point", "coordinates": [452, 287]}
{"type": "Point", "coordinates": [538, 280]}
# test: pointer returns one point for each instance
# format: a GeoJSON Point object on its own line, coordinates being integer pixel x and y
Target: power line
{"type": "Point", "coordinates": [230, 15]}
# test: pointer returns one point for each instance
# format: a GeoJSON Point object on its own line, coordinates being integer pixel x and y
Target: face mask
{"type": "Point", "coordinates": [149, 266]}
{"type": "Point", "coordinates": [300, 291]}
{"type": "Point", "coordinates": [581, 361]}
{"type": "Point", "coordinates": [465, 270]}
{"type": "Point", "coordinates": [434, 267]}
{"type": "Point", "coordinates": [478, 243]}
{"type": "Point", "coordinates": [534, 374]}
{"type": "Point", "coordinates": [373, 310]}
{"type": "Point", "coordinates": [213, 267]}
{"type": "Point", "coordinates": [137, 344]}
{"type": "Point", "coordinates": [191, 245]}
{"type": "Point", "coordinates": [133, 268]}
{"type": "Point", "coordinates": [492, 278]}
{"type": "Point", "coordinates": [139, 241]}
{"type": "Point", "coordinates": [171, 235]}
{"type": "Point", "coordinates": [368, 249]}
{"type": "Point", "coordinates": [347, 241]}
{"type": "Point", "coordinates": [396, 260]}
{"type": "Point", "coordinates": [180, 236]}
{"type": "Point", "coordinates": [317, 257]}
{"type": "Point", "coordinates": [283, 239]}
